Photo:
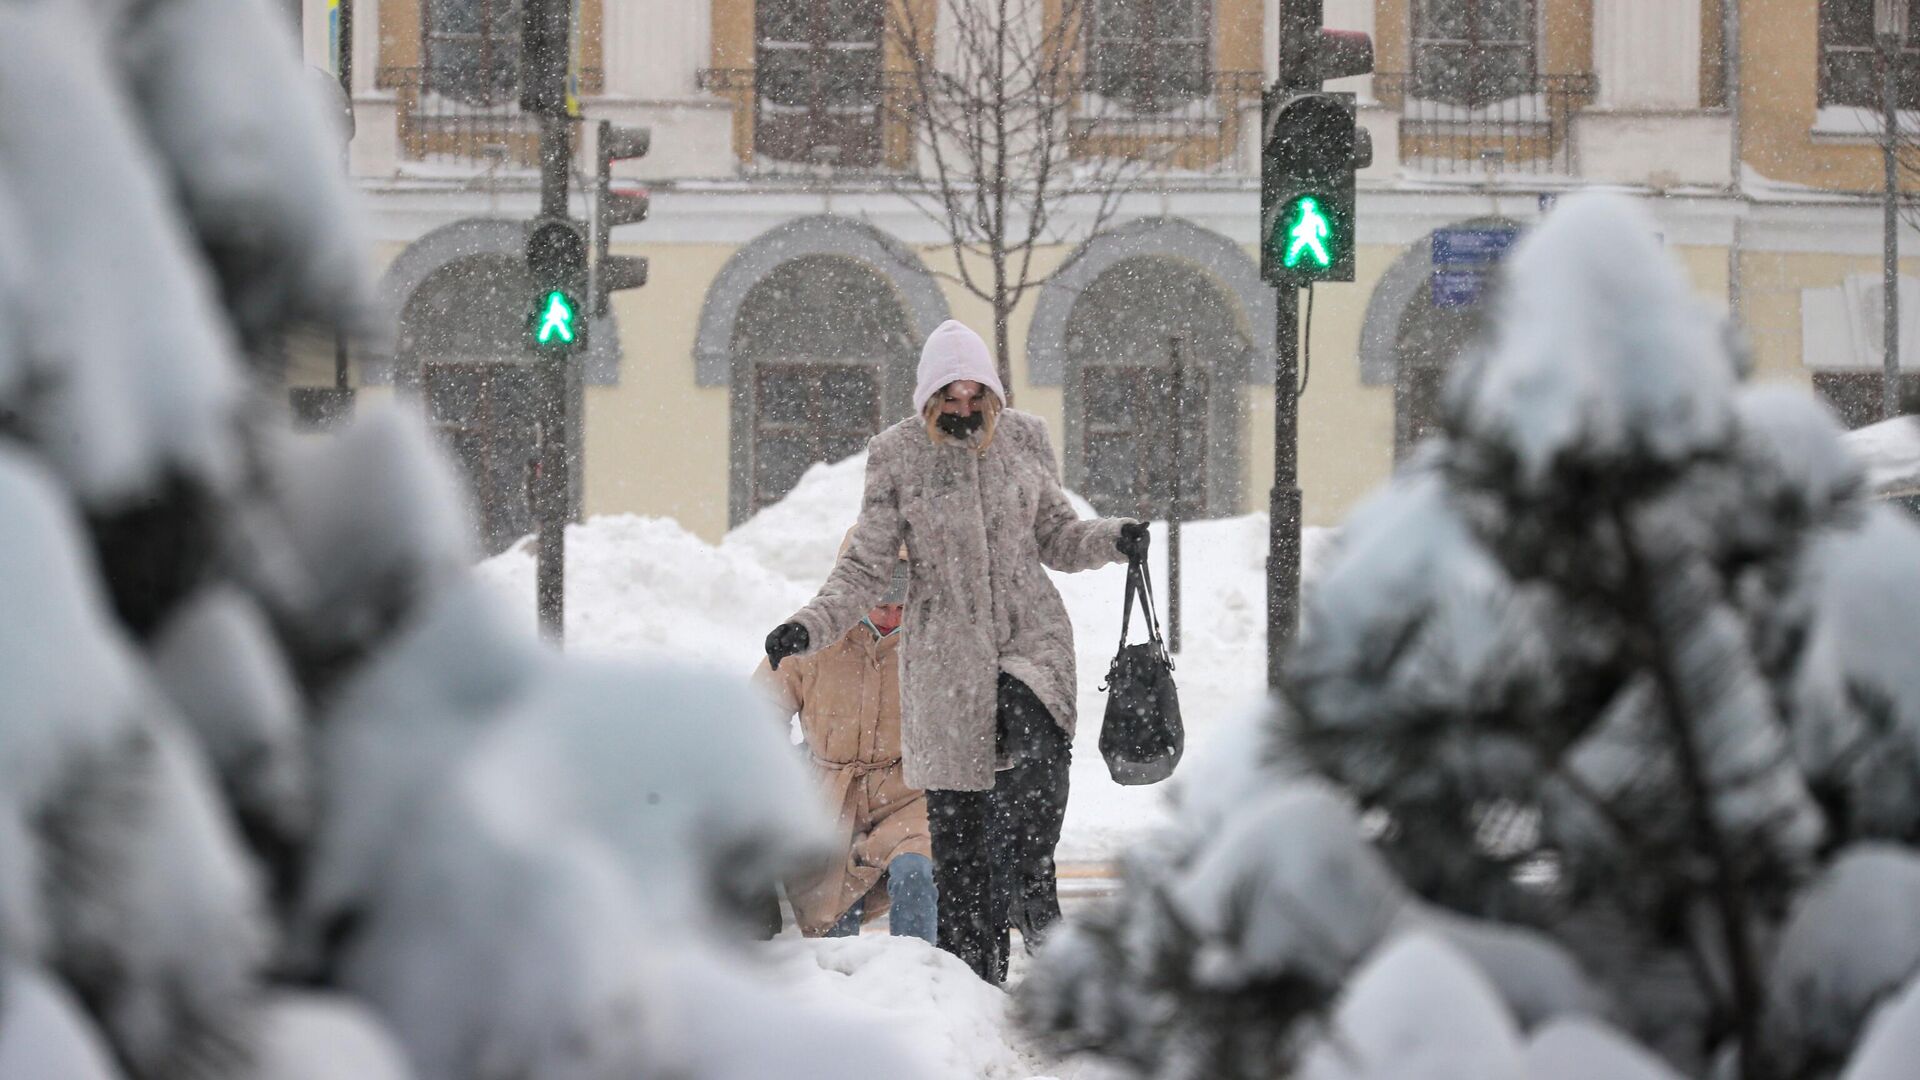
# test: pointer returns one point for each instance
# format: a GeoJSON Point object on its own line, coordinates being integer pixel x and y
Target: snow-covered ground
{"type": "Point", "coordinates": [922, 998]}
{"type": "Point", "coordinates": [646, 587]}
{"type": "Point", "coordinates": [1891, 452]}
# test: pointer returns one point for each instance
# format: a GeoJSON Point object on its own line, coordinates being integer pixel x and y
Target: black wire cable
{"type": "Point", "coordinates": [1306, 349]}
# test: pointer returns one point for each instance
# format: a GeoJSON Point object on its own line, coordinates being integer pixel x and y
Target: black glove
{"type": "Point", "coordinates": [1133, 540]}
{"type": "Point", "coordinates": [787, 639]}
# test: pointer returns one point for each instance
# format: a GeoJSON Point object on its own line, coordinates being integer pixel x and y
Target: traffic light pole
{"type": "Point", "coordinates": [1314, 146]}
{"type": "Point", "coordinates": [1176, 461]}
{"type": "Point", "coordinates": [1283, 507]}
{"type": "Point", "coordinates": [554, 476]}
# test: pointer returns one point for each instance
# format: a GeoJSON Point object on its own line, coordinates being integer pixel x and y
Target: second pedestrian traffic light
{"type": "Point", "coordinates": [1311, 152]}
{"type": "Point", "coordinates": [557, 267]}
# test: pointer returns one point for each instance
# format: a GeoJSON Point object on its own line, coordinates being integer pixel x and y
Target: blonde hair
{"type": "Point", "coordinates": [990, 406]}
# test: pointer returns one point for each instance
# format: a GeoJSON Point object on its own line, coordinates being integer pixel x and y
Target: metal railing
{"type": "Point", "coordinates": [1200, 124]}
{"type": "Point", "coordinates": [1500, 123]}
{"type": "Point", "coordinates": [866, 122]}
{"type": "Point", "coordinates": [466, 123]}
{"type": "Point", "coordinates": [847, 120]}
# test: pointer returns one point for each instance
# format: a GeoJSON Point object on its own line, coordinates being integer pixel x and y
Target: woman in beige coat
{"type": "Point", "coordinates": [847, 696]}
{"type": "Point", "coordinates": [987, 667]}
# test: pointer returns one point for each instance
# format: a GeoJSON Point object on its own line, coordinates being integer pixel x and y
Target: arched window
{"type": "Point", "coordinates": [1149, 55]}
{"type": "Point", "coordinates": [1429, 341]}
{"type": "Point", "coordinates": [1138, 436]}
{"type": "Point", "coordinates": [1427, 333]}
{"type": "Point", "coordinates": [472, 49]}
{"type": "Point", "coordinates": [817, 81]}
{"type": "Point", "coordinates": [1850, 60]}
{"type": "Point", "coordinates": [1474, 52]}
{"type": "Point", "coordinates": [813, 346]}
{"type": "Point", "coordinates": [464, 326]}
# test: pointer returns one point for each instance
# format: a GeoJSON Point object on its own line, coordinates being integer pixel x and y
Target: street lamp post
{"type": "Point", "coordinates": [1176, 461]}
{"type": "Point", "coordinates": [1890, 30]}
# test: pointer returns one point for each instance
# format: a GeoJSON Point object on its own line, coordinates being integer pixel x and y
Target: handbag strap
{"type": "Point", "coordinates": [1139, 581]}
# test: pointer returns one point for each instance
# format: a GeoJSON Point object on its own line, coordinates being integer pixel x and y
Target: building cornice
{"type": "Point", "coordinates": [734, 212]}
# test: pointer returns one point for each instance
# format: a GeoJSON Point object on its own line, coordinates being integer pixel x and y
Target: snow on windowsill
{"type": "Point", "coordinates": [1852, 123]}
{"type": "Point", "coordinates": [1103, 111]}
{"type": "Point", "coordinates": [1523, 109]}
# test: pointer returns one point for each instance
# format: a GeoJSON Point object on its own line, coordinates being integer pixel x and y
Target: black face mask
{"type": "Point", "coordinates": [960, 426]}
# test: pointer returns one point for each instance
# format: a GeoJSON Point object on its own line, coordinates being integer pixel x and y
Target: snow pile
{"type": "Point", "coordinates": [1830, 976]}
{"type": "Point", "coordinates": [645, 587]}
{"type": "Point", "coordinates": [149, 374]}
{"type": "Point", "coordinates": [322, 1036]}
{"type": "Point", "coordinates": [1890, 450]}
{"type": "Point", "coordinates": [1418, 1011]}
{"type": "Point", "coordinates": [1892, 1044]}
{"type": "Point", "coordinates": [925, 996]}
{"type": "Point", "coordinates": [43, 1033]}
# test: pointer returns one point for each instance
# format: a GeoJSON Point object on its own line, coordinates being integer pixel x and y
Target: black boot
{"type": "Point", "coordinates": [1030, 806]}
{"type": "Point", "coordinates": [958, 822]}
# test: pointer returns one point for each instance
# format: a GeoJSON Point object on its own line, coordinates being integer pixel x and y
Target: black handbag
{"type": "Point", "coordinates": [1141, 736]}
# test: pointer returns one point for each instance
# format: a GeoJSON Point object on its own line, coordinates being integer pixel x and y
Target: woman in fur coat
{"type": "Point", "coordinates": [987, 670]}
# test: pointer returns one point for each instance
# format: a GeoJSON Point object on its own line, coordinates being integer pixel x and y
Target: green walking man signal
{"type": "Point", "coordinates": [555, 321]}
{"type": "Point", "coordinates": [1308, 235]}
{"type": "Point", "coordinates": [1314, 147]}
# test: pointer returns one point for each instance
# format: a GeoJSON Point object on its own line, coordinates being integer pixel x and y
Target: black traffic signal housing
{"type": "Point", "coordinates": [546, 53]}
{"type": "Point", "coordinates": [1312, 146]}
{"type": "Point", "coordinates": [611, 208]}
{"type": "Point", "coordinates": [1310, 54]}
{"type": "Point", "coordinates": [1311, 151]}
{"type": "Point", "coordinates": [557, 268]}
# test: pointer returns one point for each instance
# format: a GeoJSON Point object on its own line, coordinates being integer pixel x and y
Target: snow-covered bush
{"type": "Point", "coordinates": [283, 795]}
{"type": "Point", "coordinates": [1616, 679]}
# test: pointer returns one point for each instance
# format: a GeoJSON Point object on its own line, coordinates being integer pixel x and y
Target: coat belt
{"type": "Point", "coordinates": [857, 767]}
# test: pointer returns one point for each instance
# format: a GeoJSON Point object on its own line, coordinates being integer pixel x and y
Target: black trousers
{"type": "Point", "coordinates": [993, 850]}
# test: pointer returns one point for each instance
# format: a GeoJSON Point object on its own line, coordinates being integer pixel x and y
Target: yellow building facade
{"type": "Point", "coordinates": [792, 273]}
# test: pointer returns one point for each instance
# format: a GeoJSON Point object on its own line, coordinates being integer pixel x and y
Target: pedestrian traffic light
{"type": "Point", "coordinates": [557, 267]}
{"type": "Point", "coordinates": [616, 142]}
{"type": "Point", "coordinates": [1313, 148]}
{"type": "Point", "coordinates": [555, 323]}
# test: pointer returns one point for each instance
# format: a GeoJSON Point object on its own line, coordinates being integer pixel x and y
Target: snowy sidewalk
{"type": "Point", "coordinates": [925, 999]}
{"type": "Point", "coordinates": [647, 587]}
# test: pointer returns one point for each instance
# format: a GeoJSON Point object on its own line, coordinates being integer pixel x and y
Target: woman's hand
{"type": "Point", "coordinates": [1133, 540]}
{"type": "Point", "coordinates": [787, 639]}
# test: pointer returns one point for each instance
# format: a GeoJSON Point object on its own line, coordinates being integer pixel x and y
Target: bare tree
{"type": "Point", "coordinates": [995, 103]}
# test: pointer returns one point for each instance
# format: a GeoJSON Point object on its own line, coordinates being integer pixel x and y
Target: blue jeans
{"type": "Point", "coordinates": [916, 903]}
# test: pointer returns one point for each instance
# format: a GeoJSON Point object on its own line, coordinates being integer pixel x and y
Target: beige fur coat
{"type": "Point", "coordinates": [979, 528]}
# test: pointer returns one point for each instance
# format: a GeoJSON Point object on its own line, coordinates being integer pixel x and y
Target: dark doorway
{"type": "Point", "coordinates": [1133, 437]}
{"type": "Point", "coordinates": [465, 327]}
{"type": "Point", "coordinates": [1140, 439]}
{"type": "Point", "coordinates": [481, 412]}
{"type": "Point", "coordinates": [808, 413]}
{"type": "Point", "coordinates": [813, 347]}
